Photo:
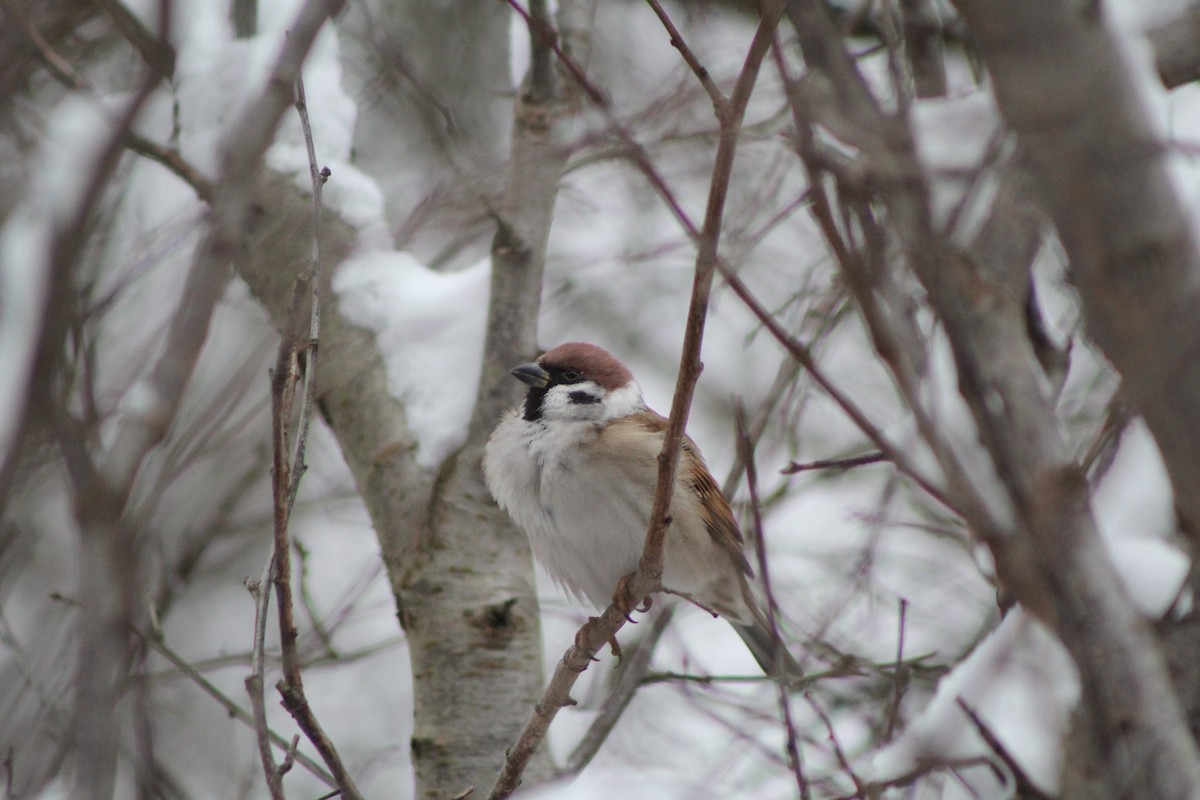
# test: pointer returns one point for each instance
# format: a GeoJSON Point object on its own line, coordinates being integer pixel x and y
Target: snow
{"type": "Point", "coordinates": [1020, 682]}
{"type": "Point", "coordinates": [429, 327]}
{"type": "Point", "coordinates": [953, 136]}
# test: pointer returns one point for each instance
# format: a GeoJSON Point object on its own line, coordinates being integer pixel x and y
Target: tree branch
{"type": "Point", "coordinates": [1101, 171]}
{"type": "Point", "coordinates": [260, 590]}
{"type": "Point", "coordinates": [648, 579]}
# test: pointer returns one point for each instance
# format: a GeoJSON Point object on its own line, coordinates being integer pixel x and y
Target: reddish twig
{"type": "Point", "coordinates": [899, 678]}
{"type": "Point", "coordinates": [834, 463]}
{"type": "Point", "coordinates": [261, 592]}
{"type": "Point", "coordinates": [648, 579]}
{"type": "Point", "coordinates": [1025, 787]}
{"type": "Point", "coordinates": [313, 277]}
{"type": "Point", "coordinates": [860, 787]}
{"type": "Point", "coordinates": [245, 147]}
{"type": "Point", "coordinates": [284, 381]}
{"type": "Point", "coordinates": [746, 451]}
{"type": "Point", "coordinates": [635, 667]}
{"type": "Point", "coordinates": [189, 671]}
{"type": "Point", "coordinates": [718, 98]}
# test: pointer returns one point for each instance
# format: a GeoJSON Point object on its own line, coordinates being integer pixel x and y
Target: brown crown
{"type": "Point", "coordinates": [594, 362]}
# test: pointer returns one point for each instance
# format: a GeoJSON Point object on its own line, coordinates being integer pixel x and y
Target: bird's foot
{"type": "Point", "coordinates": [581, 635]}
{"type": "Point", "coordinates": [616, 647]}
{"type": "Point", "coordinates": [626, 603]}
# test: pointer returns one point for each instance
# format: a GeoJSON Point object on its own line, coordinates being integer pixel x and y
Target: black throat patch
{"type": "Point", "coordinates": [533, 404]}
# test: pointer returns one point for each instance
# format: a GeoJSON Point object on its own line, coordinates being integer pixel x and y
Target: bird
{"type": "Point", "coordinates": [576, 467]}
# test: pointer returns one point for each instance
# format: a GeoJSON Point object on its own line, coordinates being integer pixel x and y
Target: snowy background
{"type": "Point", "coordinates": [846, 548]}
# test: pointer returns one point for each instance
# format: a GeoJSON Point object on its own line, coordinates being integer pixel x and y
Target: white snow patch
{"type": "Point", "coordinates": [430, 327]}
{"type": "Point", "coordinates": [952, 138]}
{"type": "Point", "coordinates": [1020, 682]}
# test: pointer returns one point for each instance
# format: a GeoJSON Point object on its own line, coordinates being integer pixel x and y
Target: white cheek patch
{"type": "Point", "coordinates": [624, 401]}
{"type": "Point", "coordinates": [588, 402]}
{"type": "Point", "coordinates": [577, 401]}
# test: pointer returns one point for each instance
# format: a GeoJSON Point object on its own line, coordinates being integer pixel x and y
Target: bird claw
{"type": "Point", "coordinates": [580, 635]}
{"type": "Point", "coordinates": [626, 603]}
{"type": "Point", "coordinates": [616, 647]}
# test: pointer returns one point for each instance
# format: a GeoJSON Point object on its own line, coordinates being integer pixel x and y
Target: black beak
{"type": "Point", "coordinates": [532, 374]}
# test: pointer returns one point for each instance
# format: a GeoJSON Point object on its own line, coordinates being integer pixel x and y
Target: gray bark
{"type": "Point", "coordinates": [434, 117]}
{"type": "Point", "coordinates": [1067, 90]}
{"type": "Point", "coordinates": [461, 575]}
{"type": "Point", "coordinates": [1131, 735]}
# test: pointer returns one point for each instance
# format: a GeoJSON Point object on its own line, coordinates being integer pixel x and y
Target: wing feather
{"type": "Point", "coordinates": [695, 475]}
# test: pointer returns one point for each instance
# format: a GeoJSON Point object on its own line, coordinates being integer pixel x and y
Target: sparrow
{"type": "Point", "coordinates": [576, 467]}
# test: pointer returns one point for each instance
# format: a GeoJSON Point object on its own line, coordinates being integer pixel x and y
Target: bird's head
{"type": "Point", "coordinates": [578, 382]}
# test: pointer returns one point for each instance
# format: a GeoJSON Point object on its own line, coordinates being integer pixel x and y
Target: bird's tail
{"type": "Point", "coordinates": [769, 651]}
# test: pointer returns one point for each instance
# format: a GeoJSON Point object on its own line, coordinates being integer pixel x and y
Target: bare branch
{"type": "Point", "coordinates": [291, 686]}
{"type": "Point", "coordinates": [648, 579]}
{"type": "Point", "coordinates": [635, 666]}
{"type": "Point", "coordinates": [843, 762]}
{"type": "Point", "coordinates": [233, 709]}
{"type": "Point", "coordinates": [899, 679]}
{"type": "Point", "coordinates": [153, 47]}
{"type": "Point", "coordinates": [1101, 170]}
{"type": "Point", "coordinates": [261, 592]}
{"type": "Point", "coordinates": [1025, 788]}
{"type": "Point", "coordinates": [782, 683]}
{"type": "Point", "coordinates": [313, 278]}
{"type": "Point", "coordinates": [834, 463]}
{"type": "Point", "coordinates": [718, 98]}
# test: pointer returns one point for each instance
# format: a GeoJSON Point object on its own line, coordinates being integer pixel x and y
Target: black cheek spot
{"type": "Point", "coordinates": [583, 397]}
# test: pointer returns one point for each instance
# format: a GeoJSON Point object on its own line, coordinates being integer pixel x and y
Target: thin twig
{"type": "Point", "coordinates": [782, 682]}
{"type": "Point", "coordinates": [261, 592]}
{"type": "Point", "coordinates": [291, 686]}
{"type": "Point", "coordinates": [65, 74]}
{"type": "Point", "coordinates": [635, 667]}
{"type": "Point", "coordinates": [636, 152]}
{"type": "Point", "coordinates": [174, 161]}
{"type": "Point", "coordinates": [233, 709]}
{"type": "Point", "coordinates": [642, 160]}
{"type": "Point", "coordinates": [833, 463]}
{"type": "Point", "coordinates": [310, 606]}
{"type": "Point", "coordinates": [243, 154]}
{"type": "Point", "coordinates": [899, 678]}
{"type": "Point", "coordinates": [1025, 787]}
{"type": "Point", "coordinates": [648, 579]}
{"type": "Point", "coordinates": [802, 354]}
{"type": "Point", "coordinates": [313, 276]}
{"type": "Point", "coordinates": [155, 50]}
{"type": "Point", "coordinates": [718, 98]}
{"type": "Point", "coordinates": [844, 762]}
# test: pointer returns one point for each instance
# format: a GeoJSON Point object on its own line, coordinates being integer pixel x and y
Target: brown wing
{"type": "Point", "coordinates": [714, 508]}
{"type": "Point", "coordinates": [718, 516]}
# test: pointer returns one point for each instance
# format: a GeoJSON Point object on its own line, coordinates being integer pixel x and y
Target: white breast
{"type": "Point", "coordinates": [584, 528]}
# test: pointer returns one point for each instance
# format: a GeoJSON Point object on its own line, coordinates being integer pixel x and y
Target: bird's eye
{"type": "Point", "coordinates": [571, 375]}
